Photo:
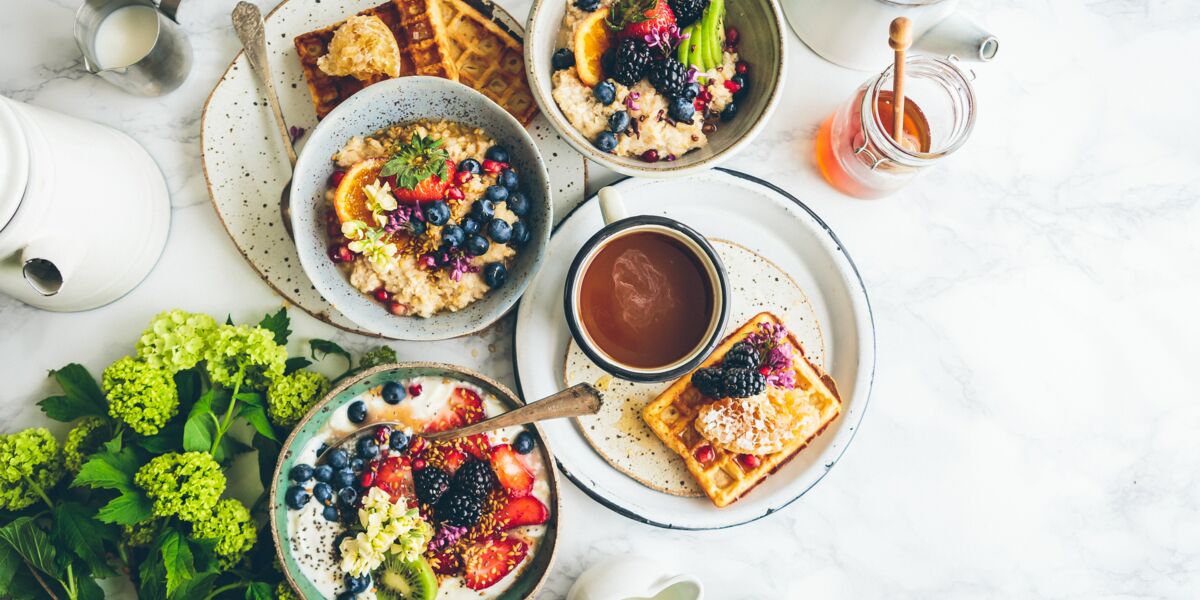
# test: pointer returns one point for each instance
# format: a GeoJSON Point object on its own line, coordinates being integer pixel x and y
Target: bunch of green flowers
{"type": "Point", "coordinates": [379, 356]}
{"type": "Point", "coordinates": [140, 395]}
{"type": "Point", "coordinates": [139, 535]}
{"type": "Point", "coordinates": [231, 527]}
{"type": "Point", "coordinates": [291, 396]}
{"type": "Point", "coordinates": [29, 466]}
{"type": "Point", "coordinates": [84, 440]}
{"type": "Point", "coordinates": [176, 340]}
{"type": "Point", "coordinates": [283, 591]}
{"type": "Point", "coordinates": [186, 484]}
{"type": "Point", "coordinates": [250, 351]}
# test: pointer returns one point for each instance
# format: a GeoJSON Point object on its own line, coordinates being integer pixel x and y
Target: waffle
{"type": "Point", "coordinates": [417, 25]}
{"type": "Point", "coordinates": [488, 58]}
{"type": "Point", "coordinates": [811, 406]}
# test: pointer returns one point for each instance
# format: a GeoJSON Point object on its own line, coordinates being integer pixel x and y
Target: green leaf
{"type": "Point", "coordinates": [277, 324]}
{"type": "Point", "coordinates": [31, 544]}
{"type": "Point", "coordinates": [295, 364]}
{"type": "Point", "coordinates": [109, 469]}
{"type": "Point", "coordinates": [87, 588]}
{"type": "Point", "coordinates": [153, 576]}
{"type": "Point", "coordinates": [82, 397]}
{"type": "Point", "coordinates": [9, 561]}
{"type": "Point", "coordinates": [177, 559]}
{"type": "Point", "coordinates": [268, 455]}
{"type": "Point", "coordinates": [76, 528]}
{"type": "Point", "coordinates": [260, 591]}
{"type": "Point", "coordinates": [257, 416]}
{"type": "Point", "coordinates": [229, 448]}
{"type": "Point", "coordinates": [68, 408]}
{"type": "Point", "coordinates": [131, 507]}
{"type": "Point", "coordinates": [199, 587]}
{"type": "Point", "coordinates": [229, 319]}
{"type": "Point", "coordinates": [201, 426]}
{"type": "Point", "coordinates": [77, 382]}
{"type": "Point", "coordinates": [322, 348]}
{"type": "Point", "coordinates": [25, 587]}
{"type": "Point", "coordinates": [252, 398]}
{"type": "Point", "coordinates": [416, 161]}
{"type": "Point", "coordinates": [168, 438]}
{"type": "Point", "coordinates": [189, 384]}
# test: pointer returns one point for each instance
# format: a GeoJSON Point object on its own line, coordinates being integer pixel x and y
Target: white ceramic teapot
{"type": "Point", "coordinates": [634, 578]}
{"type": "Point", "coordinates": [84, 210]}
{"type": "Point", "coordinates": [854, 33]}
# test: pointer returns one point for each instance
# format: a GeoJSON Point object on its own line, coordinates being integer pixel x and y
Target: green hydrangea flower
{"type": "Point", "coordinates": [187, 484]}
{"type": "Point", "coordinates": [379, 356]}
{"type": "Point", "coordinates": [140, 395]}
{"type": "Point", "coordinates": [176, 340]}
{"type": "Point", "coordinates": [139, 535]}
{"type": "Point", "coordinates": [84, 440]}
{"type": "Point", "coordinates": [251, 350]}
{"type": "Point", "coordinates": [230, 525]}
{"type": "Point", "coordinates": [283, 591]}
{"type": "Point", "coordinates": [291, 396]}
{"type": "Point", "coordinates": [29, 466]}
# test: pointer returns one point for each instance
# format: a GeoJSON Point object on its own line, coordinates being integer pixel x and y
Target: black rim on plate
{"type": "Point", "coordinates": [589, 489]}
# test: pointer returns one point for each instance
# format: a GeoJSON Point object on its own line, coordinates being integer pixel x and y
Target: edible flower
{"type": "Point", "coordinates": [776, 356]}
{"type": "Point", "coordinates": [375, 246]}
{"type": "Point", "coordinates": [665, 38]}
{"type": "Point", "coordinates": [631, 101]}
{"type": "Point", "coordinates": [380, 201]}
{"type": "Point", "coordinates": [388, 528]}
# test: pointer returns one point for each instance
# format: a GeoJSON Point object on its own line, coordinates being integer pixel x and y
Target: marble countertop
{"type": "Point", "coordinates": [1034, 425]}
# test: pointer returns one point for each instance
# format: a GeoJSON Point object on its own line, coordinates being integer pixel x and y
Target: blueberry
{"type": "Point", "coordinates": [338, 458]}
{"type": "Point", "coordinates": [563, 59]}
{"type": "Point", "coordinates": [587, 5]}
{"type": "Point", "coordinates": [508, 178]}
{"type": "Point", "coordinates": [322, 448]}
{"type": "Point", "coordinates": [496, 193]}
{"type": "Point", "coordinates": [356, 465]}
{"type": "Point", "coordinates": [484, 209]}
{"type": "Point", "coordinates": [296, 497]}
{"type": "Point", "coordinates": [453, 236]}
{"type": "Point", "coordinates": [470, 223]}
{"type": "Point", "coordinates": [691, 90]}
{"type": "Point", "coordinates": [323, 473]}
{"type": "Point", "coordinates": [301, 472]}
{"type": "Point", "coordinates": [500, 231]}
{"type": "Point", "coordinates": [330, 513]}
{"type": "Point", "coordinates": [520, 234]}
{"type": "Point", "coordinates": [417, 227]}
{"type": "Point", "coordinates": [523, 444]}
{"type": "Point", "coordinates": [437, 213]}
{"type": "Point", "coordinates": [367, 448]}
{"type": "Point", "coordinates": [742, 81]}
{"type": "Point", "coordinates": [323, 492]}
{"type": "Point", "coordinates": [618, 121]}
{"type": "Point", "coordinates": [518, 203]}
{"type": "Point", "coordinates": [606, 141]}
{"type": "Point", "coordinates": [729, 112]}
{"type": "Point", "coordinates": [347, 496]}
{"type": "Point", "coordinates": [343, 479]}
{"type": "Point", "coordinates": [605, 92]}
{"type": "Point", "coordinates": [346, 596]}
{"type": "Point", "coordinates": [341, 537]}
{"type": "Point", "coordinates": [357, 411]}
{"type": "Point", "coordinates": [470, 165]}
{"type": "Point", "coordinates": [349, 515]}
{"type": "Point", "coordinates": [681, 110]}
{"type": "Point", "coordinates": [495, 275]}
{"type": "Point", "coordinates": [497, 153]}
{"type": "Point", "coordinates": [477, 245]}
{"type": "Point", "coordinates": [358, 585]}
{"type": "Point", "coordinates": [398, 441]}
{"type": "Point", "coordinates": [393, 392]}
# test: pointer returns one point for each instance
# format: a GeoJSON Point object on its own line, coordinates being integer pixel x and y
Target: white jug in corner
{"type": "Point", "coordinates": [854, 33]}
{"type": "Point", "coordinates": [634, 578]}
{"type": "Point", "coordinates": [84, 210]}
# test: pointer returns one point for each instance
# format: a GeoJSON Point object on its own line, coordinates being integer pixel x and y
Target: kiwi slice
{"type": "Point", "coordinates": [405, 580]}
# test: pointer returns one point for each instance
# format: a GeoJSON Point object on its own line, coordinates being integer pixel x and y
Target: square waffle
{"type": "Point", "coordinates": [488, 58]}
{"type": "Point", "coordinates": [813, 404]}
{"type": "Point", "coordinates": [420, 33]}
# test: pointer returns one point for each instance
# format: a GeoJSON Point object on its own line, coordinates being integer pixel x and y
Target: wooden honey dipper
{"type": "Point", "coordinates": [899, 38]}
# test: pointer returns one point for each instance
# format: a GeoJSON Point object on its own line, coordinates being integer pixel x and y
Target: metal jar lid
{"type": "Point", "coordinates": [14, 161]}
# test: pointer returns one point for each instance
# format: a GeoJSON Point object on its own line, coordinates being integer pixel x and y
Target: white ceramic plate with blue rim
{"type": "Point", "coordinates": [774, 224]}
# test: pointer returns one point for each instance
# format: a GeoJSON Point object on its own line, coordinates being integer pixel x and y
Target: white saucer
{"type": "Point", "coordinates": [767, 220]}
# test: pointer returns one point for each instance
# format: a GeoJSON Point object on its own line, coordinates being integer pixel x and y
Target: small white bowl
{"type": "Point", "coordinates": [763, 46]}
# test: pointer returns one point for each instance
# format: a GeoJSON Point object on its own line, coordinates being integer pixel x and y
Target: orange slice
{"type": "Point", "coordinates": [591, 40]}
{"type": "Point", "coordinates": [350, 200]}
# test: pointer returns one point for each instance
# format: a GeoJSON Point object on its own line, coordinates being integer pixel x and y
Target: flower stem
{"type": "Point", "coordinates": [40, 492]}
{"type": "Point", "coordinates": [226, 588]}
{"type": "Point", "coordinates": [224, 425]}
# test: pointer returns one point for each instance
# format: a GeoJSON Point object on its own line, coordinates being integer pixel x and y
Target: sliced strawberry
{"type": "Point", "coordinates": [431, 188]}
{"type": "Point", "coordinates": [522, 511]}
{"type": "Point", "coordinates": [455, 459]}
{"type": "Point", "coordinates": [639, 18]}
{"type": "Point", "coordinates": [490, 559]}
{"type": "Point", "coordinates": [445, 562]}
{"type": "Point", "coordinates": [511, 472]}
{"type": "Point", "coordinates": [465, 407]}
{"type": "Point", "coordinates": [477, 445]}
{"type": "Point", "coordinates": [395, 477]}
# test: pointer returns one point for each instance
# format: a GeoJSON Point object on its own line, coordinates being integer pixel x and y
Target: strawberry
{"type": "Point", "coordinates": [490, 559]}
{"type": "Point", "coordinates": [522, 511]}
{"type": "Point", "coordinates": [445, 562]}
{"type": "Point", "coordinates": [641, 18]}
{"type": "Point", "coordinates": [465, 407]}
{"type": "Point", "coordinates": [431, 188]}
{"type": "Point", "coordinates": [511, 472]}
{"type": "Point", "coordinates": [395, 478]}
{"type": "Point", "coordinates": [454, 460]}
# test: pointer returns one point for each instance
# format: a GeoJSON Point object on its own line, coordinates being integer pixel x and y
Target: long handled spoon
{"type": "Point", "coordinates": [249, 26]}
{"type": "Point", "coordinates": [899, 38]}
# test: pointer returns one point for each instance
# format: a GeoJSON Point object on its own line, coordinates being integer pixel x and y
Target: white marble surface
{"type": "Point", "coordinates": [1035, 425]}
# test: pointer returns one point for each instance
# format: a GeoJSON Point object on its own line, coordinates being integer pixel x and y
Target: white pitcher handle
{"type": "Point", "coordinates": [611, 205]}
{"type": "Point", "coordinates": [697, 588]}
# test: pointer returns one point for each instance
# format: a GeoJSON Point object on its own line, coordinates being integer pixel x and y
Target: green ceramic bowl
{"type": "Point", "coordinates": [529, 581]}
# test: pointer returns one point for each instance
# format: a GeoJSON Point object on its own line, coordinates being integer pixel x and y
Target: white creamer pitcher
{"type": "Point", "coordinates": [634, 578]}
{"type": "Point", "coordinates": [854, 33]}
{"type": "Point", "coordinates": [84, 210]}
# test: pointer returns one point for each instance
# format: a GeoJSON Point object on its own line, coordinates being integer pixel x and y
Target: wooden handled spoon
{"type": "Point", "coordinates": [899, 38]}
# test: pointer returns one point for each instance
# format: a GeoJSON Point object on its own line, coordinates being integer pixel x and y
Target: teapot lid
{"type": "Point", "coordinates": [14, 161]}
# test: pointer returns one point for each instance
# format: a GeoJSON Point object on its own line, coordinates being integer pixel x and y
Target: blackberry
{"type": "Point", "coordinates": [709, 382]}
{"type": "Point", "coordinates": [742, 355]}
{"type": "Point", "coordinates": [474, 478]}
{"type": "Point", "coordinates": [431, 483]}
{"type": "Point", "coordinates": [743, 383]}
{"type": "Point", "coordinates": [668, 76]}
{"type": "Point", "coordinates": [460, 510]}
{"type": "Point", "coordinates": [687, 11]}
{"type": "Point", "coordinates": [630, 61]}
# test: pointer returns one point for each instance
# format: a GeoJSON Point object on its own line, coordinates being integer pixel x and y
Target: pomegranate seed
{"type": "Point", "coordinates": [335, 178]}
{"type": "Point", "coordinates": [414, 389]}
{"type": "Point", "coordinates": [419, 464]}
{"type": "Point", "coordinates": [741, 68]}
{"type": "Point", "coordinates": [382, 295]}
{"type": "Point", "coordinates": [367, 479]}
{"type": "Point", "coordinates": [398, 308]}
{"type": "Point", "coordinates": [705, 95]}
{"type": "Point", "coordinates": [650, 155]}
{"type": "Point", "coordinates": [732, 86]}
{"type": "Point", "coordinates": [491, 166]}
{"type": "Point", "coordinates": [416, 445]}
{"type": "Point", "coordinates": [405, 461]}
{"type": "Point", "coordinates": [455, 193]}
{"type": "Point", "coordinates": [383, 434]}
{"type": "Point", "coordinates": [704, 454]}
{"type": "Point", "coordinates": [700, 105]}
{"type": "Point", "coordinates": [749, 461]}
{"type": "Point", "coordinates": [732, 36]}
{"type": "Point", "coordinates": [462, 177]}
{"type": "Point", "coordinates": [341, 254]}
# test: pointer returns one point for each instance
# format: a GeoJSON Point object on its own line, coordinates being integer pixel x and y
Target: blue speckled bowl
{"type": "Point", "coordinates": [403, 100]}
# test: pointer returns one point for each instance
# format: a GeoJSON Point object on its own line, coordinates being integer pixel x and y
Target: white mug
{"type": "Point", "coordinates": [634, 578]}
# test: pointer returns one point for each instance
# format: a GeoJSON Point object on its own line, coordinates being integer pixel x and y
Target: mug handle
{"type": "Point", "coordinates": [611, 205]}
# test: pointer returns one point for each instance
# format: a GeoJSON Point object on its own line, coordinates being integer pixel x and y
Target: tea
{"type": "Point", "coordinates": [835, 150]}
{"type": "Point", "coordinates": [646, 299]}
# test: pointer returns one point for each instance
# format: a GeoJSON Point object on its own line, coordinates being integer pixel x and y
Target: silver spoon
{"type": "Point", "coordinates": [248, 24]}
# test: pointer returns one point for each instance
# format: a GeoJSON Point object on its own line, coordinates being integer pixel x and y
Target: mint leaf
{"type": "Point", "coordinates": [201, 426]}
{"type": "Point", "coordinates": [82, 397]}
{"type": "Point", "coordinates": [177, 559]}
{"type": "Point", "coordinates": [31, 544]}
{"type": "Point", "coordinates": [277, 324]}
{"type": "Point", "coordinates": [257, 416]}
{"type": "Point", "coordinates": [259, 591]}
{"type": "Point", "coordinates": [131, 507]}
{"type": "Point", "coordinates": [75, 528]}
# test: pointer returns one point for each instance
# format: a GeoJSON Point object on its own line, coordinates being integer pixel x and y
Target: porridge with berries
{"type": "Point", "coordinates": [647, 78]}
{"type": "Point", "coordinates": [426, 216]}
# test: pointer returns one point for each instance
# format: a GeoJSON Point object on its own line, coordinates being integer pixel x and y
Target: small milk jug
{"type": "Point", "coordinates": [634, 578]}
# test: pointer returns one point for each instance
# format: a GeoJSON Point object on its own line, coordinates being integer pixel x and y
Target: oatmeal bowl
{"type": "Point", "coordinates": [656, 88]}
{"type": "Point", "coordinates": [420, 209]}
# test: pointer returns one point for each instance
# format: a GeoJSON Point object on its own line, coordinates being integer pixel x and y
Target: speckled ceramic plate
{"type": "Point", "coordinates": [772, 224]}
{"type": "Point", "coordinates": [618, 432]}
{"type": "Point", "coordinates": [524, 585]}
{"type": "Point", "coordinates": [246, 168]}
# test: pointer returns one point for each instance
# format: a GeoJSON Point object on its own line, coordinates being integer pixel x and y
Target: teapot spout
{"type": "Point", "coordinates": [47, 264]}
{"type": "Point", "coordinates": [961, 37]}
